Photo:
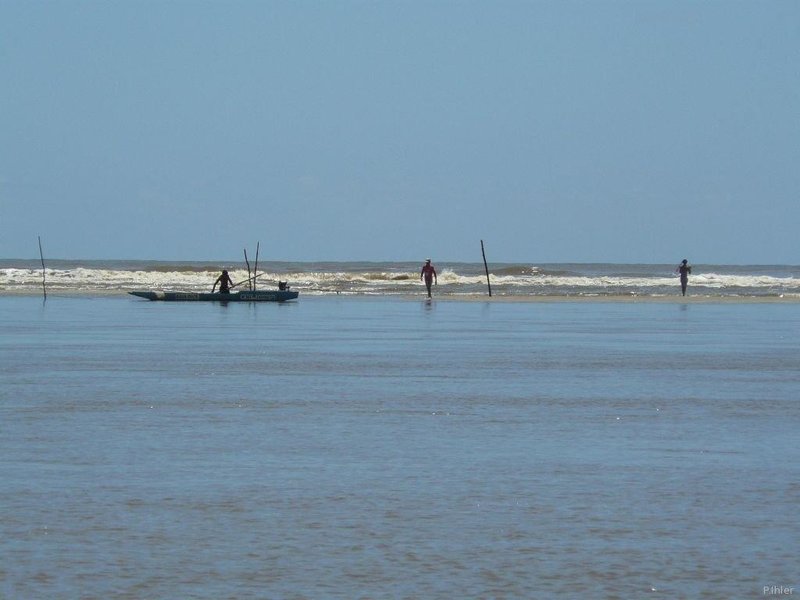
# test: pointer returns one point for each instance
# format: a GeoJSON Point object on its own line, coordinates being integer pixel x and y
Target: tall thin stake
{"type": "Point", "coordinates": [485, 266]}
{"type": "Point", "coordinates": [255, 269]}
{"type": "Point", "coordinates": [250, 281]}
{"type": "Point", "coordinates": [41, 255]}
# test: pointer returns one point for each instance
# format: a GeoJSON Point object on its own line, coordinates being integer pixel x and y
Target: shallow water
{"type": "Point", "coordinates": [386, 448]}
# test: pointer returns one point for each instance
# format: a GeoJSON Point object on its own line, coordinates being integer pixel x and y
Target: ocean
{"type": "Point", "coordinates": [400, 278]}
{"type": "Point", "coordinates": [369, 444]}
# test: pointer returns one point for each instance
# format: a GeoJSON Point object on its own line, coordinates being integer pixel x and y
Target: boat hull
{"type": "Point", "coordinates": [243, 296]}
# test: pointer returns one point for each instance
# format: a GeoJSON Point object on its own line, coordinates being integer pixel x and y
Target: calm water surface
{"type": "Point", "coordinates": [373, 448]}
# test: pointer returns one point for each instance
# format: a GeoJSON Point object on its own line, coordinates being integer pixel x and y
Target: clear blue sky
{"type": "Point", "coordinates": [556, 131]}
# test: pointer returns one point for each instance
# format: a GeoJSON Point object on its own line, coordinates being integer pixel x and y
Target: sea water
{"type": "Point", "coordinates": [454, 280]}
{"type": "Point", "coordinates": [352, 448]}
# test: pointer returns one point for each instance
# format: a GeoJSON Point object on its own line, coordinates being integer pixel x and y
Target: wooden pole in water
{"type": "Point", "coordinates": [41, 255]}
{"type": "Point", "coordinates": [486, 267]}
{"type": "Point", "coordinates": [247, 262]}
{"type": "Point", "coordinates": [255, 269]}
{"type": "Point", "coordinates": [238, 283]}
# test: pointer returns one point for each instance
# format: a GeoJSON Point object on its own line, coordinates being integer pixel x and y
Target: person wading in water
{"type": "Point", "coordinates": [428, 273]}
{"type": "Point", "coordinates": [684, 269]}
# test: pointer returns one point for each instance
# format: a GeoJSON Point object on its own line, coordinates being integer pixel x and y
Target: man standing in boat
{"type": "Point", "coordinates": [224, 282]}
{"type": "Point", "coordinates": [429, 274]}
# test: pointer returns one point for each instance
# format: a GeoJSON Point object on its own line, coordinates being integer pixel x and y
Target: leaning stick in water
{"type": "Point", "coordinates": [485, 266]}
{"type": "Point", "coordinates": [255, 268]}
{"type": "Point", "coordinates": [41, 255]}
{"type": "Point", "coordinates": [248, 268]}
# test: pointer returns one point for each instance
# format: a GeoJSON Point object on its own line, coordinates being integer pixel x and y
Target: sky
{"type": "Point", "coordinates": [555, 131]}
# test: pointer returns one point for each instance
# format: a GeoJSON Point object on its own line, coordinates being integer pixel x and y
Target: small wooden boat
{"type": "Point", "coordinates": [242, 296]}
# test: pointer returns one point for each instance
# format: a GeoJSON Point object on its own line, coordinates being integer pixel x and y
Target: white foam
{"type": "Point", "coordinates": [84, 279]}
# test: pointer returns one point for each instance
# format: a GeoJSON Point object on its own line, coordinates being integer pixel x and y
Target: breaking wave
{"type": "Point", "coordinates": [358, 278]}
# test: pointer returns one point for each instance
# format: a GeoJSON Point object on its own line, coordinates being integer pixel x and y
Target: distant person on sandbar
{"type": "Point", "coordinates": [224, 282]}
{"type": "Point", "coordinates": [428, 273]}
{"type": "Point", "coordinates": [684, 269]}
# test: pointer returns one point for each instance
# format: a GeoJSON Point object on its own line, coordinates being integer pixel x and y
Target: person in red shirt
{"type": "Point", "coordinates": [429, 274]}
